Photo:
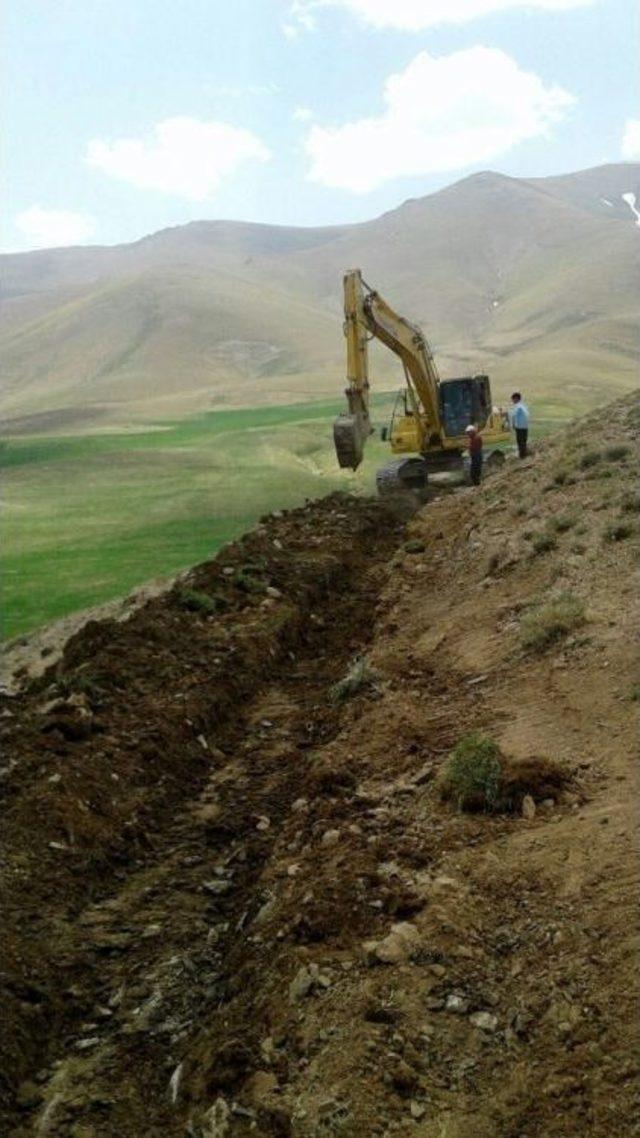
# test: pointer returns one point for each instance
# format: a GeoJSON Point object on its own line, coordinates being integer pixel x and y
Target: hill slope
{"type": "Point", "coordinates": [236, 902]}
{"type": "Point", "coordinates": [533, 280]}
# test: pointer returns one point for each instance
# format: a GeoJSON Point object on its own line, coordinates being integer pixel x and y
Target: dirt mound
{"type": "Point", "coordinates": [237, 903]}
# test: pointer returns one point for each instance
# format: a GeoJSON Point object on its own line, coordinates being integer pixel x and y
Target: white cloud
{"type": "Point", "coordinates": [303, 114]}
{"type": "Point", "coordinates": [441, 114]}
{"type": "Point", "coordinates": [182, 156]}
{"type": "Point", "coordinates": [631, 140]}
{"type": "Point", "coordinates": [415, 15]}
{"type": "Point", "coordinates": [51, 228]}
{"type": "Point", "coordinates": [301, 17]}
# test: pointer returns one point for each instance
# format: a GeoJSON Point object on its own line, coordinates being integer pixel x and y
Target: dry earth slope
{"type": "Point", "coordinates": [535, 278]}
{"type": "Point", "coordinates": [236, 905]}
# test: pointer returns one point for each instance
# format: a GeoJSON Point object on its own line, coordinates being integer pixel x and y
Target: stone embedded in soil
{"type": "Point", "coordinates": [456, 1004]}
{"type": "Point", "coordinates": [330, 837]}
{"type": "Point", "coordinates": [528, 807]}
{"type": "Point", "coordinates": [485, 1021]}
{"type": "Point", "coordinates": [216, 1122]}
{"type": "Point", "coordinates": [417, 1110]}
{"type": "Point", "coordinates": [306, 981]}
{"type": "Point", "coordinates": [398, 946]}
{"type": "Point", "coordinates": [217, 888]}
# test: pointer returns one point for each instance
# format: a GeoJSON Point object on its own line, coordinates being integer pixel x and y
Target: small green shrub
{"type": "Point", "coordinates": [194, 601]}
{"type": "Point", "coordinates": [478, 777]}
{"type": "Point", "coordinates": [635, 693]}
{"type": "Point", "coordinates": [617, 531]}
{"type": "Point", "coordinates": [248, 577]}
{"type": "Point", "coordinates": [543, 543]}
{"type": "Point", "coordinates": [563, 522]}
{"type": "Point", "coordinates": [561, 477]}
{"type": "Point", "coordinates": [360, 675]}
{"type": "Point", "coordinates": [471, 776]}
{"type": "Point", "coordinates": [549, 622]}
{"type": "Point", "coordinates": [590, 458]}
{"type": "Point", "coordinates": [414, 545]}
{"type": "Point", "coordinates": [520, 511]}
{"type": "Point", "coordinates": [616, 453]}
{"type": "Point", "coordinates": [78, 683]}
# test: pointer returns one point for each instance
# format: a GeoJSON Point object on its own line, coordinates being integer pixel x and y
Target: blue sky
{"type": "Point", "coordinates": [127, 116]}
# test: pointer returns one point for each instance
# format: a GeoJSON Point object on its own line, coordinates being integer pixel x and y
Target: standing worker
{"type": "Point", "coordinates": [520, 423]}
{"type": "Point", "coordinates": [475, 453]}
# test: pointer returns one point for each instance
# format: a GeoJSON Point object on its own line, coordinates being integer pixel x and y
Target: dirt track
{"type": "Point", "coordinates": [199, 840]}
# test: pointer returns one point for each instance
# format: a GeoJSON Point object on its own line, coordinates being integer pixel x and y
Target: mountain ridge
{"type": "Point", "coordinates": [534, 277]}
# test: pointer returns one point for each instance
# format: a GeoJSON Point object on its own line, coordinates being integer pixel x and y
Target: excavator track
{"type": "Point", "coordinates": [403, 479]}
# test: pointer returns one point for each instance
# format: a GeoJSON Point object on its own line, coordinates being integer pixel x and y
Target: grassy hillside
{"type": "Point", "coordinates": [90, 516]}
{"type": "Point", "coordinates": [533, 281]}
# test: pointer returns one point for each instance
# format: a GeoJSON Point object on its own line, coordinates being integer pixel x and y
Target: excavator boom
{"type": "Point", "coordinates": [366, 316]}
{"type": "Point", "coordinates": [351, 429]}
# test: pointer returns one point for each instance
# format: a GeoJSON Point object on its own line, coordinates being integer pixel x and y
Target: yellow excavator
{"type": "Point", "coordinates": [431, 414]}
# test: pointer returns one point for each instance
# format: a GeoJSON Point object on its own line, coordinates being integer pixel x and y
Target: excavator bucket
{"type": "Point", "coordinates": [349, 435]}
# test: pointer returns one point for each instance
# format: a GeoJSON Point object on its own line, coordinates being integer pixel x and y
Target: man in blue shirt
{"type": "Point", "coordinates": [520, 423]}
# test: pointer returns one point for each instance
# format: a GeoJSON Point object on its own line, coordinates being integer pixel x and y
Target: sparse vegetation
{"type": "Point", "coordinates": [361, 675]}
{"type": "Point", "coordinates": [248, 577]}
{"type": "Point", "coordinates": [78, 683]}
{"type": "Point", "coordinates": [635, 693]}
{"type": "Point", "coordinates": [194, 601]}
{"type": "Point", "coordinates": [616, 453]}
{"type": "Point", "coordinates": [617, 531]}
{"type": "Point", "coordinates": [561, 477]}
{"type": "Point", "coordinates": [630, 502]}
{"type": "Point", "coordinates": [563, 522]}
{"type": "Point", "coordinates": [589, 459]}
{"type": "Point", "coordinates": [542, 543]}
{"type": "Point", "coordinates": [547, 623]}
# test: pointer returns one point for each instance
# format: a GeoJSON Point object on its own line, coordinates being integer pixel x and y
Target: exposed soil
{"type": "Point", "coordinates": [236, 901]}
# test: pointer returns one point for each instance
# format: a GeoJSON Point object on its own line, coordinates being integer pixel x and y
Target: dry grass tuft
{"type": "Point", "coordinates": [361, 675]}
{"type": "Point", "coordinates": [549, 622]}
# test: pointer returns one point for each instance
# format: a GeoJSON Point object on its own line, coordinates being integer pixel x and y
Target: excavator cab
{"type": "Point", "coordinates": [462, 402]}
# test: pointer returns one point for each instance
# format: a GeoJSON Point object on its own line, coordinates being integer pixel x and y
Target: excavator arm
{"type": "Point", "coordinates": [368, 315]}
{"type": "Point", "coordinates": [351, 429]}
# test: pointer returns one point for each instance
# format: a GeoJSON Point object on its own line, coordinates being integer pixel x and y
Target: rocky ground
{"type": "Point", "coordinates": [236, 900]}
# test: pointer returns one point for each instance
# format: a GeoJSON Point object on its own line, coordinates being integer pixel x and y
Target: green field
{"type": "Point", "coordinates": [89, 517]}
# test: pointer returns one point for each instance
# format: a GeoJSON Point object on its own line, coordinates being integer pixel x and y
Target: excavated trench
{"type": "Point", "coordinates": [154, 770]}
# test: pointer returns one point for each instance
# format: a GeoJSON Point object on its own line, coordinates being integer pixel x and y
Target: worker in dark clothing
{"type": "Point", "coordinates": [475, 454]}
{"type": "Point", "coordinates": [520, 423]}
